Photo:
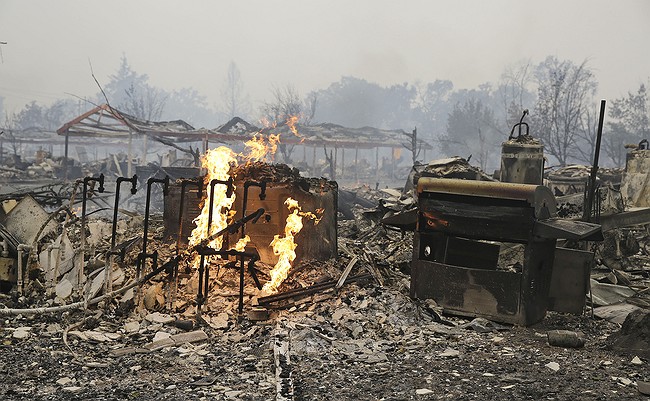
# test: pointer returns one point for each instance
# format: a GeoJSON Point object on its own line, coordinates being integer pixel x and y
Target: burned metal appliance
{"type": "Point", "coordinates": [461, 225]}
{"type": "Point", "coordinates": [522, 157]}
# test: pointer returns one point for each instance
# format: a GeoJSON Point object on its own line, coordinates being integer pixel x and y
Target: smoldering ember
{"type": "Point", "coordinates": [235, 264]}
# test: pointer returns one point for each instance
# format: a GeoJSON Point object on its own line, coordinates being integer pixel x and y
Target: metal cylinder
{"type": "Point", "coordinates": [522, 163]}
{"type": "Point", "coordinates": [566, 339]}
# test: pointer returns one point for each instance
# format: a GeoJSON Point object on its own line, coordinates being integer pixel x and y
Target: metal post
{"type": "Point", "coordinates": [86, 180]}
{"type": "Point", "coordinates": [142, 257]}
{"type": "Point", "coordinates": [145, 149]}
{"type": "Point", "coordinates": [377, 166]}
{"type": "Point", "coordinates": [65, 158]}
{"type": "Point", "coordinates": [108, 282]}
{"type": "Point", "coordinates": [591, 185]}
{"type": "Point", "coordinates": [129, 169]}
{"type": "Point", "coordinates": [336, 156]}
{"type": "Point", "coordinates": [356, 164]}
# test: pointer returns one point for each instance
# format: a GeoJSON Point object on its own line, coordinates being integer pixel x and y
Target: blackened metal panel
{"type": "Point", "coordinates": [477, 218]}
{"type": "Point", "coordinates": [570, 280]}
{"type": "Point", "coordinates": [536, 279]}
{"type": "Point", "coordinates": [467, 253]}
{"type": "Point", "coordinates": [490, 294]}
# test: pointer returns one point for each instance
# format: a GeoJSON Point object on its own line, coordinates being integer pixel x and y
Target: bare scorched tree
{"type": "Point", "coordinates": [235, 102]}
{"type": "Point", "coordinates": [565, 92]}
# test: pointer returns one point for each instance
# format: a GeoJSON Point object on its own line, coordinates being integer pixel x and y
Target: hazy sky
{"type": "Point", "coordinates": [311, 44]}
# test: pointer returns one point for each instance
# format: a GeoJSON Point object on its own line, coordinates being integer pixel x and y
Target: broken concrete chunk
{"type": "Point", "coordinates": [132, 327]}
{"type": "Point", "coordinates": [78, 334]}
{"type": "Point", "coordinates": [153, 295]}
{"type": "Point", "coordinates": [98, 231]}
{"type": "Point", "coordinates": [449, 353]}
{"type": "Point", "coordinates": [554, 366]}
{"type": "Point", "coordinates": [191, 337]}
{"type": "Point", "coordinates": [96, 336]}
{"type": "Point", "coordinates": [219, 322]}
{"type": "Point", "coordinates": [128, 295]}
{"type": "Point", "coordinates": [53, 328]}
{"type": "Point", "coordinates": [158, 317]}
{"type": "Point", "coordinates": [64, 381]}
{"type": "Point", "coordinates": [161, 343]}
{"type": "Point", "coordinates": [96, 284]}
{"type": "Point", "coordinates": [21, 332]}
{"type": "Point", "coordinates": [615, 313]}
{"type": "Point", "coordinates": [161, 335]}
{"type": "Point", "coordinates": [64, 289]}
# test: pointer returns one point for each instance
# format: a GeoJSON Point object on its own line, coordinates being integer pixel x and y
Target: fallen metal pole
{"type": "Point", "coordinates": [308, 290]}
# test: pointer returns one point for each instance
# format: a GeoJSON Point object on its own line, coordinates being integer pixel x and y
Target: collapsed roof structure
{"type": "Point", "coordinates": [107, 122]}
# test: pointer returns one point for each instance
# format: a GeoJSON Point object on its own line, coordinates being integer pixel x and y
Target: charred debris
{"type": "Point", "coordinates": [96, 257]}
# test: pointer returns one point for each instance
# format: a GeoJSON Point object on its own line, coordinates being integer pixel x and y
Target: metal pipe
{"type": "Point", "coordinates": [204, 271]}
{"type": "Point", "coordinates": [143, 256]}
{"type": "Point", "coordinates": [591, 185]}
{"type": "Point", "coordinates": [262, 186]}
{"type": "Point", "coordinates": [248, 184]}
{"type": "Point", "coordinates": [309, 290]}
{"type": "Point", "coordinates": [204, 250]}
{"type": "Point", "coordinates": [20, 281]}
{"type": "Point", "coordinates": [86, 180]}
{"type": "Point", "coordinates": [55, 273]}
{"type": "Point", "coordinates": [108, 282]}
{"type": "Point", "coordinates": [174, 277]}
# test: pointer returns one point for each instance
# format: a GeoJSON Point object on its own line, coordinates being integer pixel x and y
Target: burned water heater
{"type": "Point", "coordinates": [522, 157]}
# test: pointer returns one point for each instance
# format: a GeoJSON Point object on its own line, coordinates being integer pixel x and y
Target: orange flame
{"type": "Point", "coordinates": [434, 221]}
{"type": "Point", "coordinates": [260, 148]}
{"type": "Point", "coordinates": [240, 246]}
{"type": "Point", "coordinates": [285, 247]}
{"type": "Point", "coordinates": [217, 162]}
{"type": "Point", "coordinates": [291, 123]}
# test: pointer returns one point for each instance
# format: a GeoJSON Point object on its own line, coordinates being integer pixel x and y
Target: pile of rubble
{"type": "Point", "coordinates": [349, 329]}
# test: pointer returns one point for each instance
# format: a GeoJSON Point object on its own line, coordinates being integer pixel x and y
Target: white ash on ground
{"type": "Point", "coordinates": [367, 340]}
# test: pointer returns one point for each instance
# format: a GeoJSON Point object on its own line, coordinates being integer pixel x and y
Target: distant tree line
{"type": "Point", "coordinates": [465, 122]}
